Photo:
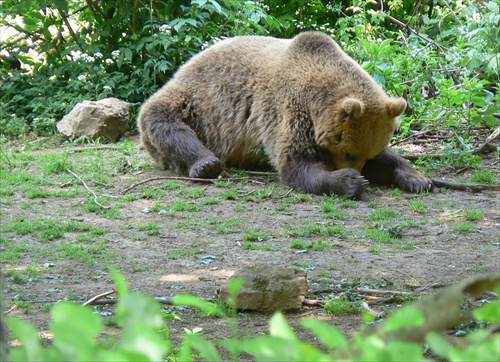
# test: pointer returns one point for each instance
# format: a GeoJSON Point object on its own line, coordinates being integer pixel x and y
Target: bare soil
{"type": "Point", "coordinates": [196, 252]}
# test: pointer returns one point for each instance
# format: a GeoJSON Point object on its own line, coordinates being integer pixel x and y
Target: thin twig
{"type": "Point", "coordinates": [422, 36]}
{"type": "Point", "coordinates": [161, 300]}
{"type": "Point", "coordinates": [367, 308]}
{"type": "Point", "coordinates": [202, 180]}
{"type": "Point", "coordinates": [97, 297]}
{"type": "Point", "coordinates": [83, 149]}
{"type": "Point", "coordinates": [93, 193]}
{"type": "Point", "coordinates": [10, 310]}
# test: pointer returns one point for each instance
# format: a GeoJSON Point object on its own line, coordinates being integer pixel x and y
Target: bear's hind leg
{"type": "Point", "coordinates": [171, 142]}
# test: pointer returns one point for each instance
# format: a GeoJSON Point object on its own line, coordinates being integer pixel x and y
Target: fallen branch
{"type": "Point", "coordinates": [93, 193]}
{"type": "Point", "coordinates": [97, 297]}
{"type": "Point", "coordinates": [367, 308]}
{"type": "Point", "coordinates": [465, 187]}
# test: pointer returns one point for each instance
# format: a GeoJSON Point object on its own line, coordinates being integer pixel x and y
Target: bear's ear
{"type": "Point", "coordinates": [395, 107]}
{"type": "Point", "coordinates": [351, 109]}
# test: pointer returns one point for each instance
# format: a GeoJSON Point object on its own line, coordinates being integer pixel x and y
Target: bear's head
{"type": "Point", "coordinates": [353, 132]}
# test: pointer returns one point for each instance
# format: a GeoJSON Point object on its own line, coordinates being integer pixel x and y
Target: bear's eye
{"type": "Point", "coordinates": [349, 157]}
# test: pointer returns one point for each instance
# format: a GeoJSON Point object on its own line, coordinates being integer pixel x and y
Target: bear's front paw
{"type": "Point", "coordinates": [414, 182]}
{"type": "Point", "coordinates": [209, 167]}
{"type": "Point", "coordinates": [349, 182]}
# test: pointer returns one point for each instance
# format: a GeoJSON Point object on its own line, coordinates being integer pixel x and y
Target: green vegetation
{"type": "Point", "coordinates": [142, 323]}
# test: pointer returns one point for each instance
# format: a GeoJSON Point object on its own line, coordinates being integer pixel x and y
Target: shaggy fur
{"type": "Point", "coordinates": [322, 120]}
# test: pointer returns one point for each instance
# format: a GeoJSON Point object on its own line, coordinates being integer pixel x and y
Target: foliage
{"type": "Point", "coordinates": [75, 50]}
{"type": "Point", "coordinates": [442, 56]}
{"type": "Point", "coordinates": [144, 336]}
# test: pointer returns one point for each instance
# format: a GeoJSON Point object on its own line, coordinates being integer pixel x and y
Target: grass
{"type": "Point", "coordinates": [44, 229]}
{"type": "Point", "coordinates": [309, 229]}
{"type": "Point", "coordinates": [484, 177]}
{"type": "Point", "coordinates": [151, 228]}
{"type": "Point", "coordinates": [321, 244]}
{"type": "Point", "coordinates": [383, 214]}
{"type": "Point", "coordinates": [184, 252]}
{"type": "Point", "coordinates": [342, 306]}
{"type": "Point", "coordinates": [473, 214]}
{"type": "Point", "coordinates": [417, 206]}
{"type": "Point", "coordinates": [254, 235]}
{"type": "Point", "coordinates": [464, 227]}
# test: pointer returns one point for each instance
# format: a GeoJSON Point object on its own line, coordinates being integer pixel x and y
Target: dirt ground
{"type": "Point", "coordinates": [195, 252]}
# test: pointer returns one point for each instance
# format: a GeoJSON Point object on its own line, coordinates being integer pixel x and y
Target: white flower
{"type": "Point", "coordinates": [165, 28]}
{"type": "Point", "coordinates": [109, 61]}
{"type": "Point", "coordinates": [82, 76]}
{"type": "Point", "coordinates": [106, 87]}
{"type": "Point", "coordinates": [115, 53]}
{"type": "Point", "coordinates": [76, 55]}
{"type": "Point", "coordinates": [98, 55]}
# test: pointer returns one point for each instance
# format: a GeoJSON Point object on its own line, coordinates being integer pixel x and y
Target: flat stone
{"type": "Point", "coordinates": [269, 288]}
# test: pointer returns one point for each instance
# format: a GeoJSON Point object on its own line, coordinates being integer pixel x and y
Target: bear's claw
{"type": "Point", "coordinates": [209, 167]}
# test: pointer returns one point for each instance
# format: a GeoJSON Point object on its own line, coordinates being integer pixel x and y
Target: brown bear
{"type": "Point", "coordinates": [323, 122]}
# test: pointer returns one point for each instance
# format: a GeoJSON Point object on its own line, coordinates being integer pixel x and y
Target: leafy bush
{"type": "Point", "coordinates": [144, 335]}
{"type": "Point", "coordinates": [126, 53]}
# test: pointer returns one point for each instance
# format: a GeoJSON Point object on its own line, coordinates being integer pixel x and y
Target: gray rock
{"type": "Point", "coordinates": [105, 118]}
{"type": "Point", "coordinates": [269, 288]}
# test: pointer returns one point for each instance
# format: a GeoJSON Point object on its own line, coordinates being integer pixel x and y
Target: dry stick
{"type": "Point", "coordinates": [202, 180]}
{"type": "Point", "coordinates": [10, 310]}
{"type": "Point", "coordinates": [93, 193]}
{"type": "Point", "coordinates": [465, 187]}
{"type": "Point", "coordinates": [161, 300]}
{"type": "Point", "coordinates": [97, 297]}
{"type": "Point", "coordinates": [83, 149]}
{"type": "Point", "coordinates": [367, 308]}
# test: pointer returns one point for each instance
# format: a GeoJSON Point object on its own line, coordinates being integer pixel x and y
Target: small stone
{"type": "Point", "coordinates": [269, 288]}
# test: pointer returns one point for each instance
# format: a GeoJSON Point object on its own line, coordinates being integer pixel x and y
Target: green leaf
{"type": "Point", "coordinates": [489, 312]}
{"type": "Point", "coordinates": [234, 285]}
{"type": "Point", "coordinates": [438, 344]}
{"type": "Point", "coordinates": [279, 327]}
{"type": "Point", "coordinates": [138, 308]}
{"type": "Point", "coordinates": [84, 324]}
{"type": "Point", "coordinates": [326, 334]}
{"type": "Point", "coordinates": [404, 318]}
{"type": "Point", "coordinates": [141, 343]}
{"type": "Point", "coordinates": [120, 283]}
{"type": "Point", "coordinates": [207, 349]}
{"type": "Point", "coordinates": [128, 54]}
{"type": "Point", "coordinates": [490, 120]}
{"type": "Point", "coordinates": [28, 335]}
{"type": "Point", "coordinates": [190, 300]}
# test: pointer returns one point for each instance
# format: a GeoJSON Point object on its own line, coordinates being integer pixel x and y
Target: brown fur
{"type": "Point", "coordinates": [321, 119]}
